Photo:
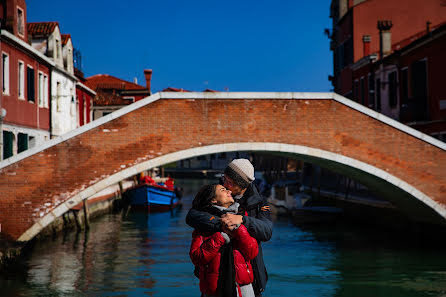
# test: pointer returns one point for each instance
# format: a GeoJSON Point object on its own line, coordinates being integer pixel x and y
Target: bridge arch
{"type": "Point", "coordinates": [306, 153]}
{"type": "Point", "coordinates": [322, 128]}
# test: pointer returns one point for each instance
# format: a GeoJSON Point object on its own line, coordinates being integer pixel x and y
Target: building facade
{"type": "Point", "coordinates": [26, 74]}
{"type": "Point", "coordinates": [389, 57]}
{"type": "Point", "coordinates": [84, 97]}
{"type": "Point", "coordinates": [46, 38]}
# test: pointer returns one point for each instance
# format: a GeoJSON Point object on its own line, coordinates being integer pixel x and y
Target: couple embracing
{"type": "Point", "coordinates": [230, 221]}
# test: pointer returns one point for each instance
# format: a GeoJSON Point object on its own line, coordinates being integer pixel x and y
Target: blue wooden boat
{"type": "Point", "coordinates": [153, 197]}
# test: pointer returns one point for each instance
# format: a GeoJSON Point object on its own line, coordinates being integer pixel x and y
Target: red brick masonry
{"type": "Point", "coordinates": [32, 187]}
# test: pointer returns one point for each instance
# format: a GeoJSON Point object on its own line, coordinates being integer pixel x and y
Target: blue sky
{"type": "Point", "coordinates": [241, 45]}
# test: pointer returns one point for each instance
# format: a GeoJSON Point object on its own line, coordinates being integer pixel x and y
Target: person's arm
{"type": "Point", "coordinates": [203, 221]}
{"type": "Point", "coordinates": [202, 252]}
{"type": "Point", "coordinates": [260, 228]}
{"type": "Point", "coordinates": [246, 244]}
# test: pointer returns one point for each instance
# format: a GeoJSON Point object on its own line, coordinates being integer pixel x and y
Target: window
{"type": "Point", "coordinates": [45, 91]}
{"type": "Point", "coordinates": [58, 103]}
{"type": "Point", "coordinates": [22, 142]}
{"type": "Point", "coordinates": [356, 91]}
{"type": "Point", "coordinates": [8, 144]}
{"type": "Point", "coordinates": [30, 84]}
{"type": "Point", "coordinates": [20, 22]}
{"type": "Point", "coordinates": [132, 99]}
{"type": "Point", "coordinates": [21, 81]}
{"type": "Point", "coordinates": [371, 90]}
{"type": "Point", "coordinates": [57, 49]}
{"type": "Point", "coordinates": [32, 141]}
{"type": "Point", "coordinates": [378, 94]}
{"type": "Point", "coordinates": [362, 91]}
{"type": "Point", "coordinates": [41, 89]}
{"type": "Point", "coordinates": [5, 64]}
{"type": "Point", "coordinates": [392, 89]}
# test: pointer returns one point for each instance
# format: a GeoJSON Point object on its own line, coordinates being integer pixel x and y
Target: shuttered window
{"type": "Point", "coordinates": [30, 84]}
{"type": "Point", "coordinates": [22, 142]}
{"type": "Point", "coordinates": [8, 141]}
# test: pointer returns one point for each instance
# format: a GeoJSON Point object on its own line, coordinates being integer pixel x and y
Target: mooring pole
{"type": "Point", "coordinates": [121, 189]}
{"type": "Point", "coordinates": [86, 215]}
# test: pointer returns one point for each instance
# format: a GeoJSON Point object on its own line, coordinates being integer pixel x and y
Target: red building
{"type": "Point", "coordinates": [113, 93]}
{"type": "Point", "coordinates": [25, 84]}
{"type": "Point", "coordinates": [85, 97]}
{"type": "Point", "coordinates": [389, 56]}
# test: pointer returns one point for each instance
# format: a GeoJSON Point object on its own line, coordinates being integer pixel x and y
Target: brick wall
{"type": "Point", "coordinates": [34, 186]}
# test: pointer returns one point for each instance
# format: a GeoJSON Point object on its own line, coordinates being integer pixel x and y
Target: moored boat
{"type": "Point", "coordinates": [154, 197]}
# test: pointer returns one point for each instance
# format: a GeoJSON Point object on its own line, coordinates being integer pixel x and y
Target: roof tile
{"type": "Point", "coordinates": [42, 29]}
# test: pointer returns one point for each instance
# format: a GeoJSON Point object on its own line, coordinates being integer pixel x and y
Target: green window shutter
{"type": "Point", "coordinates": [22, 144]}
{"type": "Point", "coordinates": [7, 144]}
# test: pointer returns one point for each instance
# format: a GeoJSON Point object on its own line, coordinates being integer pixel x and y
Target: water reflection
{"type": "Point", "coordinates": [139, 254]}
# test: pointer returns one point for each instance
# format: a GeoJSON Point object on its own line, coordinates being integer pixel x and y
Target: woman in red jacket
{"type": "Point", "coordinates": [224, 257]}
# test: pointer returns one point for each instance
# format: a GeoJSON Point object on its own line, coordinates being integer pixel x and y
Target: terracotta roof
{"type": "Point", "coordinates": [42, 29]}
{"type": "Point", "coordinates": [108, 99]}
{"type": "Point", "coordinates": [105, 81]}
{"type": "Point", "coordinates": [170, 89]}
{"type": "Point", "coordinates": [65, 38]}
{"type": "Point", "coordinates": [108, 89]}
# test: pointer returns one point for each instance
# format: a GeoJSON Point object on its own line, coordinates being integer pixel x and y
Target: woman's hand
{"type": "Point", "coordinates": [227, 230]}
{"type": "Point", "coordinates": [231, 220]}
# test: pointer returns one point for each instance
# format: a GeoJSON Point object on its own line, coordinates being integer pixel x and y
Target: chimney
{"type": "Point", "coordinates": [385, 38]}
{"type": "Point", "coordinates": [148, 76]}
{"type": "Point", "coordinates": [366, 45]}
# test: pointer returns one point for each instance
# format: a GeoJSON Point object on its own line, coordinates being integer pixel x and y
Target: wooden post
{"type": "Point", "coordinates": [121, 189]}
{"type": "Point", "coordinates": [86, 215]}
{"type": "Point", "coordinates": [76, 219]}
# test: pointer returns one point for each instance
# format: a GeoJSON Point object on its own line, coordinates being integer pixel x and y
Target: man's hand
{"type": "Point", "coordinates": [231, 220]}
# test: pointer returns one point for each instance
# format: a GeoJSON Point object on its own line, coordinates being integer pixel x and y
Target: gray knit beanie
{"type": "Point", "coordinates": [241, 172]}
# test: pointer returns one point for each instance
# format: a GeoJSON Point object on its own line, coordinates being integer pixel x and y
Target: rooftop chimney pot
{"type": "Point", "coordinates": [385, 38]}
{"type": "Point", "coordinates": [148, 77]}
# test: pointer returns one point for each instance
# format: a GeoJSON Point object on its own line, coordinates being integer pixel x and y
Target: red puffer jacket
{"type": "Point", "coordinates": [205, 253]}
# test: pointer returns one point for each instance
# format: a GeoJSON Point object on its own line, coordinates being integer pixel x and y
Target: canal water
{"type": "Point", "coordinates": [135, 254]}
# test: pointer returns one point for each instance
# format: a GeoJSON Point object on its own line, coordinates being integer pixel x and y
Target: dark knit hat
{"type": "Point", "coordinates": [241, 172]}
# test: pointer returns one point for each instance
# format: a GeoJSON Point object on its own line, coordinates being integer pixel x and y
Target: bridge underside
{"type": "Point", "coordinates": [415, 209]}
{"type": "Point", "coordinates": [400, 164]}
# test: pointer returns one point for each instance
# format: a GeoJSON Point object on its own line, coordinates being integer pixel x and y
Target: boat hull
{"type": "Point", "coordinates": [153, 198]}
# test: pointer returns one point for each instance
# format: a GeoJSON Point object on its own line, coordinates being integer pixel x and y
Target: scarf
{"type": "Point", "coordinates": [226, 286]}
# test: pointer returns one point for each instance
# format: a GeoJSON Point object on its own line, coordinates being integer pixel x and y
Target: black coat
{"type": "Point", "coordinates": [258, 223]}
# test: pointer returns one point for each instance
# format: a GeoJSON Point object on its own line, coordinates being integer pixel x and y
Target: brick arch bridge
{"type": "Point", "coordinates": [403, 165]}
